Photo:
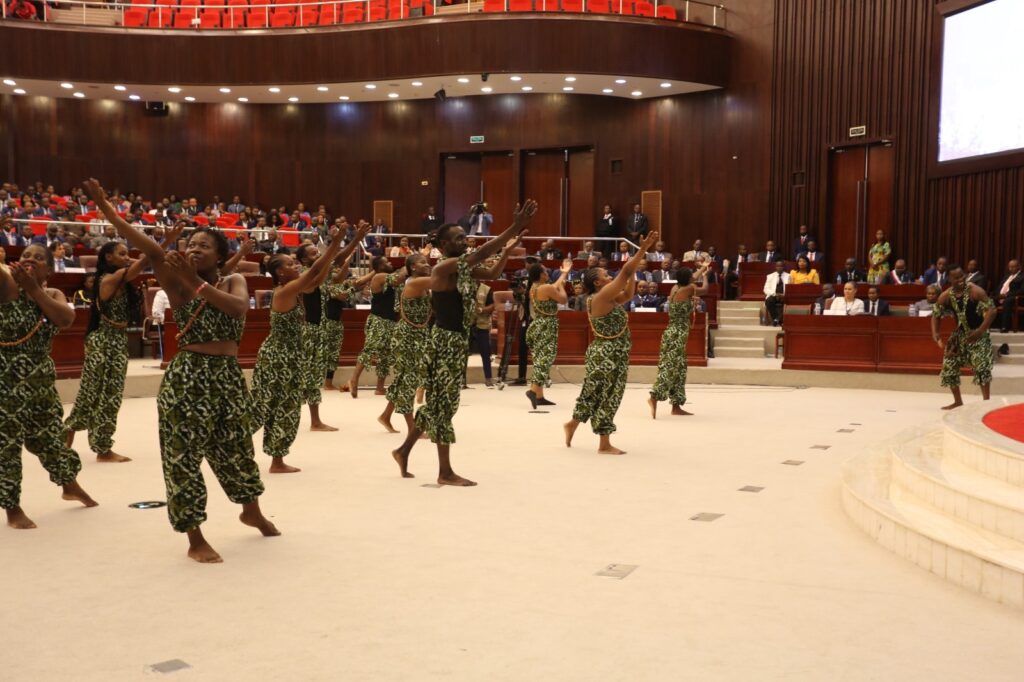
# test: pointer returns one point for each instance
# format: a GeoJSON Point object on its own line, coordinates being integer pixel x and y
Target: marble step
{"type": "Point", "coordinates": [733, 340]}
{"type": "Point", "coordinates": [738, 352]}
{"type": "Point", "coordinates": [738, 320]}
{"type": "Point", "coordinates": [967, 440]}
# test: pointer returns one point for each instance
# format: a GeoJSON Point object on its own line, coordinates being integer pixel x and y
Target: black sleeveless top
{"type": "Point", "coordinates": [383, 304]}
{"type": "Point", "coordinates": [447, 309]}
{"type": "Point", "coordinates": [313, 305]}
{"type": "Point", "coordinates": [334, 308]}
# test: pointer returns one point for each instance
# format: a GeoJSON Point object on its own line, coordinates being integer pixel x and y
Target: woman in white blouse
{"type": "Point", "coordinates": [849, 304]}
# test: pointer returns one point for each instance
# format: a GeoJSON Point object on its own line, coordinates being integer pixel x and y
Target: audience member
{"type": "Point", "coordinates": [638, 297]}
{"type": "Point", "coordinates": [402, 250]}
{"type": "Point", "coordinates": [664, 273]}
{"type": "Point", "coordinates": [732, 272]}
{"type": "Point", "coordinates": [874, 305]}
{"type": "Point", "coordinates": [974, 275]}
{"type": "Point", "coordinates": [642, 275]}
{"type": "Point", "coordinates": [659, 253]}
{"type": "Point", "coordinates": [899, 274]}
{"type": "Point", "coordinates": [622, 255]}
{"type": "Point", "coordinates": [236, 205]}
{"type": "Point", "coordinates": [83, 297]}
{"type": "Point", "coordinates": [52, 235]}
{"type": "Point", "coordinates": [803, 273]}
{"type": "Point", "coordinates": [802, 243]}
{"type": "Point", "coordinates": [849, 304]}
{"type": "Point", "coordinates": [578, 300]}
{"type": "Point", "coordinates": [924, 306]}
{"type": "Point", "coordinates": [697, 254]}
{"type": "Point", "coordinates": [109, 235]}
{"type": "Point", "coordinates": [480, 221]}
{"type": "Point", "coordinates": [878, 259]}
{"type": "Point", "coordinates": [431, 221]}
{"type": "Point", "coordinates": [607, 227]}
{"type": "Point", "coordinates": [651, 298]}
{"type": "Point", "coordinates": [936, 274]}
{"type": "Point", "coordinates": [549, 252]}
{"type": "Point", "coordinates": [61, 261]}
{"type": "Point", "coordinates": [637, 226]}
{"type": "Point", "coordinates": [587, 251]}
{"type": "Point", "coordinates": [774, 292]}
{"type": "Point", "coordinates": [815, 257]}
{"type": "Point", "coordinates": [850, 273]}
{"type": "Point", "coordinates": [824, 301]}
{"type": "Point", "coordinates": [770, 254]}
{"type": "Point", "coordinates": [1009, 294]}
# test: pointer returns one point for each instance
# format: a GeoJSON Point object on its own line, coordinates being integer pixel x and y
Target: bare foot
{"type": "Point", "coordinates": [256, 519]}
{"type": "Point", "coordinates": [570, 430]}
{"type": "Point", "coordinates": [610, 450]}
{"type": "Point", "coordinates": [353, 388]}
{"type": "Point", "coordinates": [953, 406]}
{"type": "Point", "coordinates": [203, 553]}
{"type": "Point", "coordinates": [74, 493]}
{"type": "Point", "coordinates": [424, 435]}
{"type": "Point", "coordinates": [680, 412]}
{"type": "Point", "coordinates": [380, 391]}
{"type": "Point", "coordinates": [277, 466]}
{"type": "Point", "coordinates": [455, 480]}
{"type": "Point", "coordinates": [386, 424]}
{"type": "Point", "coordinates": [16, 519]}
{"type": "Point", "coordinates": [653, 404]}
{"type": "Point", "coordinates": [112, 457]}
{"type": "Point", "coordinates": [69, 438]}
{"type": "Point", "coordinates": [329, 386]}
{"type": "Point", "coordinates": [403, 462]}
{"type": "Point", "coordinates": [320, 426]}
{"type": "Point", "coordinates": [343, 388]}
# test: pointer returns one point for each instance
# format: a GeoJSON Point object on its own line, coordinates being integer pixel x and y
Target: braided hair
{"type": "Point", "coordinates": [104, 267]}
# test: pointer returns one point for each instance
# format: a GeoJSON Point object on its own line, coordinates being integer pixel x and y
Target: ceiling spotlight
{"type": "Point", "coordinates": [274, 90]}
{"type": "Point", "coordinates": [79, 95]}
{"type": "Point", "coordinates": [19, 91]}
{"type": "Point", "coordinates": [119, 88]}
{"type": "Point", "coordinates": [527, 88]}
{"type": "Point", "coordinates": [190, 98]}
{"type": "Point", "coordinates": [417, 84]}
{"type": "Point", "coordinates": [134, 98]}
{"type": "Point", "coordinates": [322, 88]}
{"type": "Point", "coordinates": [666, 85]}
{"type": "Point", "coordinates": [607, 91]}
{"type": "Point", "coordinates": [293, 99]}
{"type": "Point", "coordinates": [463, 80]}
{"type": "Point", "coordinates": [243, 99]}
{"type": "Point", "coordinates": [567, 88]}
{"type": "Point", "coordinates": [343, 98]}
{"type": "Point", "coordinates": [516, 78]}
{"type": "Point", "coordinates": [66, 86]}
{"type": "Point", "coordinates": [486, 89]}
{"type": "Point", "coordinates": [371, 86]}
{"type": "Point", "coordinates": [441, 95]}
{"type": "Point", "coordinates": [174, 90]}
{"type": "Point", "coordinates": [636, 93]}
{"type": "Point", "coordinates": [570, 79]}
{"type": "Point", "coordinates": [225, 90]}
{"type": "Point", "coordinates": [620, 81]}
{"type": "Point", "coordinates": [393, 95]}
{"type": "Point", "coordinates": [8, 81]}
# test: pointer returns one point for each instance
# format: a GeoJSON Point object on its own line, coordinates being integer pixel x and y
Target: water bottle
{"type": "Point", "coordinates": [632, 306]}
{"type": "Point", "coordinates": [817, 309]}
{"type": "Point", "coordinates": [508, 306]}
{"type": "Point", "coordinates": [252, 302]}
{"type": "Point", "coordinates": [912, 310]}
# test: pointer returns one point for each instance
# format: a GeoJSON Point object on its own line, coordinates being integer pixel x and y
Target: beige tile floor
{"type": "Point", "coordinates": [378, 578]}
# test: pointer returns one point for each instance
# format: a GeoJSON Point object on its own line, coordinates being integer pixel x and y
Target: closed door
{"type": "Point", "coordinates": [544, 179]}
{"type": "Point", "coordinates": [860, 201]}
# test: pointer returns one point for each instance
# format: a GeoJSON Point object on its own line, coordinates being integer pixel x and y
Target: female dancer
{"type": "Point", "coordinates": [607, 359]}
{"type": "Point", "coordinates": [380, 324]}
{"type": "Point", "coordinates": [311, 358]}
{"type": "Point", "coordinates": [30, 409]}
{"type": "Point", "coordinates": [334, 293]}
{"type": "Point", "coordinates": [542, 334]}
{"type": "Point", "coordinates": [114, 298]}
{"type": "Point", "coordinates": [453, 285]}
{"type": "Point", "coordinates": [276, 386]}
{"type": "Point", "coordinates": [203, 405]}
{"type": "Point", "coordinates": [410, 343]}
{"type": "Point", "coordinates": [671, 382]}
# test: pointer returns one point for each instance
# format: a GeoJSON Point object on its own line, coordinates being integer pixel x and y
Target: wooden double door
{"type": "Point", "coordinates": [861, 182]}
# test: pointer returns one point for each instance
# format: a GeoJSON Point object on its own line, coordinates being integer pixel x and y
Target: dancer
{"type": "Point", "coordinates": [203, 405]}
{"type": "Point", "coordinates": [542, 335]}
{"type": "Point", "coordinates": [380, 324]}
{"type": "Point", "coordinates": [276, 381]}
{"type": "Point", "coordinates": [607, 359]}
{"type": "Point", "coordinates": [114, 298]}
{"type": "Point", "coordinates": [970, 343]}
{"type": "Point", "coordinates": [30, 409]}
{"type": "Point", "coordinates": [671, 381]}
{"type": "Point", "coordinates": [410, 344]}
{"type": "Point", "coordinates": [311, 358]}
{"type": "Point", "coordinates": [334, 294]}
{"type": "Point", "coordinates": [453, 285]}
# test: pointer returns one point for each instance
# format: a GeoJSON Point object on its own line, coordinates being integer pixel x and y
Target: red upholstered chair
{"type": "Point", "coordinates": [330, 14]}
{"type": "Point", "coordinates": [494, 5]}
{"type": "Point", "coordinates": [398, 10]}
{"type": "Point", "coordinates": [213, 3]}
{"type": "Point", "coordinates": [289, 237]}
{"type": "Point", "coordinates": [666, 12]}
{"type": "Point", "coordinates": [201, 220]}
{"type": "Point", "coordinates": [572, 5]}
{"type": "Point", "coordinates": [183, 18]}
{"type": "Point", "coordinates": [308, 16]}
{"type": "Point", "coordinates": [600, 6]}
{"type": "Point", "coordinates": [210, 18]}
{"type": "Point", "coordinates": [352, 13]}
{"type": "Point", "coordinates": [88, 262]}
{"type": "Point", "coordinates": [149, 218]}
{"type": "Point", "coordinates": [234, 18]}
{"type": "Point", "coordinates": [428, 9]}
{"type": "Point", "coordinates": [257, 18]}
{"type": "Point", "coordinates": [520, 5]}
{"type": "Point", "coordinates": [169, 3]}
{"type": "Point", "coordinates": [281, 18]}
{"type": "Point", "coordinates": [377, 13]}
{"type": "Point", "coordinates": [135, 17]}
{"type": "Point", "coordinates": [624, 6]}
{"type": "Point", "coordinates": [644, 9]}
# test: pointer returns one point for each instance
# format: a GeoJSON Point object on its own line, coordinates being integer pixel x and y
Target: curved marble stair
{"type": "Point", "coordinates": [950, 498]}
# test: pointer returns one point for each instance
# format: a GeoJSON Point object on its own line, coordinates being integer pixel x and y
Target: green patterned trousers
{"type": "Point", "coordinates": [332, 333]}
{"type": "Point", "coordinates": [977, 355]}
{"type": "Point", "coordinates": [671, 382]}
{"type": "Point", "coordinates": [542, 339]}
{"type": "Point", "coordinates": [310, 378]}
{"type": "Point", "coordinates": [409, 351]}
{"type": "Point", "coordinates": [604, 383]}
{"type": "Point", "coordinates": [377, 349]}
{"type": "Point", "coordinates": [447, 354]}
{"type": "Point", "coordinates": [102, 387]}
{"type": "Point", "coordinates": [31, 415]}
{"type": "Point", "coordinates": [205, 411]}
{"type": "Point", "coordinates": [276, 398]}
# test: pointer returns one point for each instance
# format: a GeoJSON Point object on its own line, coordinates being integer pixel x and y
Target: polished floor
{"type": "Point", "coordinates": [379, 578]}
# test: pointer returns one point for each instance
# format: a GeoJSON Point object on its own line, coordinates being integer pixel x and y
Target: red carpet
{"type": "Point", "coordinates": [1008, 421]}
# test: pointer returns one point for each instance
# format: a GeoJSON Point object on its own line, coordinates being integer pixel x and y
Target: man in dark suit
{"type": "Point", "coordinates": [431, 221]}
{"type": "Point", "coordinates": [549, 252]}
{"type": "Point", "coordinates": [824, 301]}
{"type": "Point", "coordinates": [974, 275]}
{"type": "Point", "coordinates": [52, 235]}
{"type": "Point", "coordinates": [1009, 294]}
{"type": "Point", "coordinates": [874, 305]}
{"type": "Point", "coordinates": [607, 226]}
{"type": "Point", "coordinates": [802, 242]}
{"type": "Point", "coordinates": [899, 274]}
{"type": "Point", "coordinates": [851, 273]}
{"type": "Point", "coordinates": [642, 275]}
{"type": "Point", "coordinates": [770, 255]}
{"type": "Point", "coordinates": [732, 274]}
{"type": "Point", "coordinates": [815, 257]}
{"type": "Point", "coordinates": [636, 226]}
{"type": "Point", "coordinates": [936, 274]}
{"type": "Point", "coordinates": [663, 273]}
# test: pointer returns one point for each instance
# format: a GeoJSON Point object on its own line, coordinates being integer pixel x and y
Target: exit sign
{"type": "Point", "coordinates": [476, 139]}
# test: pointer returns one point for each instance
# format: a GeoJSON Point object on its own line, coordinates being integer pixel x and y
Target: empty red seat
{"type": "Point", "coordinates": [428, 9]}
{"type": "Point", "coordinates": [352, 14]}
{"type": "Point", "coordinates": [623, 6]}
{"type": "Point", "coordinates": [520, 5]}
{"type": "Point", "coordinates": [494, 5]}
{"type": "Point", "coordinates": [210, 18]}
{"type": "Point", "coordinates": [600, 6]}
{"type": "Point", "coordinates": [330, 14]}
{"type": "Point", "coordinates": [189, 3]}
{"type": "Point", "coordinates": [644, 9]}
{"type": "Point", "coordinates": [308, 16]}
{"type": "Point", "coordinates": [281, 19]}
{"type": "Point", "coordinates": [398, 10]}
{"type": "Point", "coordinates": [169, 3]}
{"type": "Point", "coordinates": [257, 18]}
{"type": "Point", "coordinates": [234, 18]}
{"type": "Point", "coordinates": [666, 12]}
{"type": "Point", "coordinates": [572, 5]}
{"type": "Point", "coordinates": [135, 17]}
{"type": "Point", "coordinates": [377, 14]}
{"type": "Point", "coordinates": [184, 18]}
{"type": "Point", "coordinates": [160, 18]}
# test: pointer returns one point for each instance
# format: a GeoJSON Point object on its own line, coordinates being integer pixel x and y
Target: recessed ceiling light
{"type": "Point", "coordinates": [190, 98]}
{"type": "Point", "coordinates": [225, 90]}
{"type": "Point", "coordinates": [66, 86]}
{"type": "Point", "coordinates": [620, 81]}
{"type": "Point", "coordinates": [570, 79]}
{"type": "Point", "coordinates": [293, 99]}
{"type": "Point", "coordinates": [120, 88]}
{"type": "Point", "coordinates": [417, 84]}
{"type": "Point", "coordinates": [322, 88]}
{"type": "Point", "coordinates": [79, 95]}
{"type": "Point", "coordinates": [174, 90]}
{"type": "Point", "coordinates": [393, 95]}
{"type": "Point", "coordinates": [636, 93]}
{"type": "Point", "coordinates": [567, 88]}
{"type": "Point", "coordinates": [486, 89]}
{"type": "Point", "coordinates": [243, 99]}
{"type": "Point", "coordinates": [134, 98]}
{"type": "Point", "coordinates": [8, 81]}
{"type": "Point", "coordinates": [666, 85]}
{"type": "Point", "coordinates": [517, 78]}
{"type": "Point", "coordinates": [463, 80]}
{"type": "Point", "coordinates": [19, 91]}
{"type": "Point", "coordinates": [607, 91]}
{"type": "Point", "coordinates": [527, 88]}
{"type": "Point", "coordinates": [344, 98]}
{"type": "Point", "coordinates": [371, 86]}
{"type": "Point", "coordinates": [274, 90]}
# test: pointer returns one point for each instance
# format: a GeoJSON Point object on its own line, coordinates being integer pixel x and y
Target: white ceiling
{"type": "Point", "coordinates": [360, 92]}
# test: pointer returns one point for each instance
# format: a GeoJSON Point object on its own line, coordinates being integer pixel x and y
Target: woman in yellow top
{"type": "Point", "coordinates": [878, 258]}
{"type": "Point", "coordinates": [803, 273]}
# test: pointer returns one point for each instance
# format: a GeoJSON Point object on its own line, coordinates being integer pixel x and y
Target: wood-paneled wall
{"type": "Point", "coordinates": [843, 64]}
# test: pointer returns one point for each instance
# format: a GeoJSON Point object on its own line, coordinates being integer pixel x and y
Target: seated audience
{"type": "Point", "coordinates": [899, 274]}
{"type": "Point", "coordinates": [549, 252]}
{"type": "Point", "coordinates": [664, 273]}
{"type": "Point", "coordinates": [638, 297]}
{"type": "Point", "coordinates": [770, 254]}
{"type": "Point", "coordinates": [1009, 294]}
{"type": "Point", "coordinates": [774, 292]}
{"type": "Point", "coordinates": [697, 254]}
{"type": "Point", "coordinates": [578, 300]}
{"type": "Point", "coordinates": [587, 251]}
{"type": "Point", "coordinates": [53, 234]}
{"type": "Point", "coordinates": [931, 297]}
{"type": "Point", "coordinates": [61, 260]}
{"type": "Point", "coordinates": [974, 275]}
{"type": "Point", "coordinates": [659, 253]}
{"type": "Point", "coordinates": [402, 250]}
{"type": "Point", "coordinates": [936, 274]}
{"type": "Point", "coordinates": [815, 257]}
{"type": "Point", "coordinates": [803, 273]}
{"type": "Point", "coordinates": [651, 299]}
{"type": "Point", "coordinates": [471, 244]}
{"type": "Point", "coordinates": [622, 254]}
{"type": "Point", "coordinates": [642, 275]}
{"type": "Point", "coordinates": [732, 275]}
{"type": "Point", "coordinates": [824, 302]}
{"type": "Point", "coordinates": [874, 305]}
{"type": "Point", "coordinates": [849, 304]}
{"type": "Point", "coordinates": [802, 242]}
{"type": "Point", "coordinates": [850, 273]}
{"type": "Point", "coordinates": [83, 297]}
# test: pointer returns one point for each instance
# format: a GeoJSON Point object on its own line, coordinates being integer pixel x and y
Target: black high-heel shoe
{"type": "Point", "coordinates": [533, 398]}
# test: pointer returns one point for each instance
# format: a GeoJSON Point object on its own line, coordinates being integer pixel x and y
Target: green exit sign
{"type": "Point", "coordinates": [476, 139]}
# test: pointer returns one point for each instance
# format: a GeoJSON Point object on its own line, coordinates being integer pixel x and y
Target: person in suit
{"type": "Point", "coordinates": [61, 260]}
{"type": "Point", "coordinates": [802, 242]}
{"type": "Point", "coordinates": [770, 254]}
{"type": "Point", "coordinates": [851, 273]}
{"type": "Point", "coordinates": [587, 251]}
{"type": "Point", "coordinates": [480, 221]}
{"type": "Point", "coordinates": [642, 275]}
{"type": "Point", "coordinates": [651, 299]}
{"type": "Point", "coordinates": [663, 273]}
{"type": "Point", "coordinates": [774, 292]}
{"type": "Point", "coordinates": [974, 276]}
{"type": "Point", "coordinates": [622, 255]}
{"type": "Point", "coordinates": [659, 253]}
{"type": "Point", "coordinates": [936, 274]}
{"type": "Point", "coordinates": [638, 297]}
{"type": "Point", "coordinates": [549, 252]}
{"type": "Point", "coordinates": [636, 225]}
{"type": "Point", "coordinates": [697, 254]}
{"type": "Point", "coordinates": [431, 221]}
{"type": "Point", "coordinates": [815, 257]}
{"type": "Point", "coordinates": [899, 274]}
{"type": "Point", "coordinates": [607, 226]}
{"type": "Point", "coordinates": [52, 235]}
{"type": "Point", "coordinates": [824, 302]}
{"type": "Point", "coordinates": [732, 272]}
{"type": "Point", "coordinates": [874, 305]}
{"type": "Point", "coordinates": [1009, 293]}
{"type": "Point", "coordinates": [9, 236]}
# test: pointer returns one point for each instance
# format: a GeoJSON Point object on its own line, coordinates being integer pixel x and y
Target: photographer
{"type": "Point", "coordinates": [479, 220]}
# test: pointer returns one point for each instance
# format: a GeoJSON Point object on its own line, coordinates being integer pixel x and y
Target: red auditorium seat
{"type": "Point", "coordinates": [213, 3]}
{"type": "Point", "coordinates": [494, 5]}
{"type": "Point", "coordinates": [624, 6]}
{"type": "Point", "coordinates": [377, 13]}
{"type": "Point", "coordinates": [183, 18]}
{"type": "Point", "coordinates": [201, 220]}
{"type": "Point", "coordinates": [398, 10]}
{"type": "Point", "coordinates": [234, 18]}
{"type": "Point", "coordinates": [667, 12]}
{"type": "Point", "coordinates": [428, 9]}
{"type": "Point", "coordinates": [257, 18]}
{"type": "Point", "coordinates": [281, 18]}
{"type": "Point", "coordinates": [148, 218]}
{"type": "Point", "coordinates": [600, 6]}
{"type": "Point", "coordinates": [160, 18]}
{"type": "Point", "coordinates": [169, 3]}
{"type": "Point", "coordinates": [352, 14]}
{"type": "Point", "coordinates": [572, 5]}
{"type": "Point", "coordinates": [644, 9]}
{"type": "Point", "coordinates": [210, 18]}
{"type": "Point", "coordinates": [330, 14]}
{"type": "Point", "coordinates": [135, 17]}
{"type": "Point", "coordinates": [289, 237]}
{"type": "Point", "coordinates": [308, 16]}
{"type": "Point", "coordinates": [520, 5]}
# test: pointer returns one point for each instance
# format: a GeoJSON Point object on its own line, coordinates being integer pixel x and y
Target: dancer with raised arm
{"type": "Point", "coordinates": [969, 344]}
{"type": "Point", "coordinates": [204, 406]}
{"type": "Point", "coordinates": [380, 324]}
{"type": "Point", "coordinates": [607, 358]}
{"type": "Point", "coordinates": [101, 390]}
{"type": "Point", "coordinates": [277, 380]}
{"type": "Point", "coordinates": [409, 347]}
{"type": "Point", "coordinates": [671, 381]}
{"type": "Point", "coordinates": [542, 334]}
{"type": "Point", "coordinates": [334, 294]}
{"type": "Point", "coordinates": [30, 411]}
{"type": "Point", "coordinates": [311, 358]}
{"type": "Point", "coordinates": [453, 288]}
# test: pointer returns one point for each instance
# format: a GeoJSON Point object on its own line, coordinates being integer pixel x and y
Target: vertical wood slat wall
{"type": "Point", "coordinates": [842, 64]}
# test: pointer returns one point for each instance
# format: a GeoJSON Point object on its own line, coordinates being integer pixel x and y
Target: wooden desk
{"type": "Point", "coordinates": [68, 351]}
{"type": "Point", "coordinates": [894, 294]}
{"type": "Point", "coordinates": [752, 277]}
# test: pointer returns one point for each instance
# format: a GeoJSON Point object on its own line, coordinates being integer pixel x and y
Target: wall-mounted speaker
{"type": "Point", "coordinates": [156, 108]}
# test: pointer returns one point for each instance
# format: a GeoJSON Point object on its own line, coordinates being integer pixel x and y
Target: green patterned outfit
{"type": "Point", "coordinates": [276, 390]}
{"type": "Point", "coordinates": [332, 329]}
{"type": "Point", "coordinates": [380, 330]}
{"type": "Point", "coordinates": [30, 409]}
{"type": "Point", "coordinates": [106, 364]}
{"type": "Point", "coordinates": [542, 339]}
{"type": "Point", "coordinates": [671, 382]}
{"type": "Point", "coordinates": [447, 354]}
{"type": "Point", "coordinates": [978, 355]}
{"type": "Point", "coordinates": [205, 411]}
{"type": "Point", "coordinates": [409, 350]}
{"type": "Point", "coordinates": [606, 365]}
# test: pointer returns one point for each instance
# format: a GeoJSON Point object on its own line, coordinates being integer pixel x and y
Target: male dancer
{"type": "Point", "coordinates": [969, 344]}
